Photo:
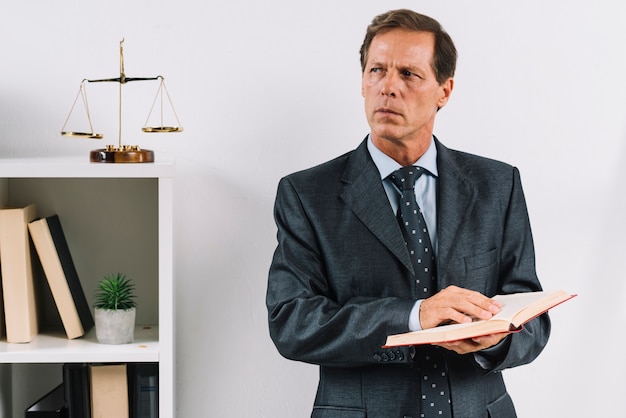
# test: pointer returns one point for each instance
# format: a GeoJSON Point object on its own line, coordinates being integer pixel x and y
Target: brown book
{"type": "Point", "coordinates": [2, 326]}
{"type": "Point", "coordinates": [517, 309]}
{"type": "Point", "coordinates": [18, 285]}
{"type": "Point", "coordinates": [109, 391]}
{"type": "Point", "coordinates": [56, 260]}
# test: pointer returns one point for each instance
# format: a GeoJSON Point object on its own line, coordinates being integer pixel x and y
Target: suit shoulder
{"type": "Point", "coordinates": [332, 169]}
{"type": "Point", "coordinates": [476, 165]}
{"type": "Point", "coordinates": [479, 160]}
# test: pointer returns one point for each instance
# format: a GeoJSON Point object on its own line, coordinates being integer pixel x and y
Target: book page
{"type": "Point", "coordinates": [512, 304]}
{"type": "Point", "coordinates": [521, 307]}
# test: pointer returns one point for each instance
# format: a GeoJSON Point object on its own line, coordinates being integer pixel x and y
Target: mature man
{"type": "Point", "coordinates": [353, 265]}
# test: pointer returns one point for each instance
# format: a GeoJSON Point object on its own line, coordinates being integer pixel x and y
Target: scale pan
{"type": "Point", "coordinates": [82, 134]}
{"type": "Point", "coordinates": [162, 129]}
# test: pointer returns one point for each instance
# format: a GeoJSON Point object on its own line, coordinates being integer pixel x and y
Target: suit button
{"type": "Point", "coordinates": [400, 355]}
{"type": "Point", "coordinates": [392, 356]}
{"type": "Point", "coordinates": [385, 357]}
{"type": "Point", "coordinates": [377, 357]}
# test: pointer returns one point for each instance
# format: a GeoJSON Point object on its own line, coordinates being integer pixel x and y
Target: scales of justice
{"type": "Point", "coordinates": [123, 153]}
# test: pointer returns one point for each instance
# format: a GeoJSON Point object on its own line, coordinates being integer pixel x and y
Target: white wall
{"type": "Point", "coordinates": [267, 88]}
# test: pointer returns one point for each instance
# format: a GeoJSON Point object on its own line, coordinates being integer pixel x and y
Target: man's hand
{"type": "Point", "coordinates": [456, 305]}
{"type": "Point", "coordinates": [471, 345]}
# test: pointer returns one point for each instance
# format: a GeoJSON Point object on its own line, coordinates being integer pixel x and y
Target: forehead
{"type": "Point", "coordinates": [403, 45]}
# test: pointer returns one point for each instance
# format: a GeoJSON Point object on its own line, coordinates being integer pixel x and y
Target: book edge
{"type": "Point", "coordinates": [56, 278]}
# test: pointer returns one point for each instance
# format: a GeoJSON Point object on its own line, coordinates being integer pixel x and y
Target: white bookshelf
{"type": "Point", "coordinates": [116, 217]}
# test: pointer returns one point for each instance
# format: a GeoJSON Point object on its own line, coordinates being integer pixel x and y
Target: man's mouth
{"type": "Point", "coordinates": [387, 111]}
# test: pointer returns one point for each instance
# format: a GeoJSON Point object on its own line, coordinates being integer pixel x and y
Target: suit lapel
{"type": "Point", "coordinates": [364, 194]}
{"type": "Point", "coordinates": [455, 200]}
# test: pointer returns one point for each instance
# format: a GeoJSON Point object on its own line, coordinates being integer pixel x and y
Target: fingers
{"type": "Point", "coordinates": [473, 345]}
{"type": "Point", "coordinates": [456, 305]}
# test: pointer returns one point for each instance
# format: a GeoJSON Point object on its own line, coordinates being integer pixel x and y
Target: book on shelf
{"type": "Point", "coordinates": [109, 391]}
{"type": "Point", "coordinates": [2, 326]}
{"type": "Point", "coordinates": [517, 309]}
{"type": "Point", "coordinates": [58, 266]}
{"type": "Point", "coordinates": [143, 382]}
{"type": "Point", "coordinates": [51, 405]}
{"type": "Point", "coordinates": [18, 284]}
{"type": "Point", "coordinates": [76, 387]}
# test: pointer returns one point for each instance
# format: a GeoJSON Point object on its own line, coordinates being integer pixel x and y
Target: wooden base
{"type": "Point", "coordinates": [108, 155]}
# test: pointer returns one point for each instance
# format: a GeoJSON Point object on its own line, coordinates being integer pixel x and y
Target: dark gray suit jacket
{"type": "Point", "coordinates": [341, 281]}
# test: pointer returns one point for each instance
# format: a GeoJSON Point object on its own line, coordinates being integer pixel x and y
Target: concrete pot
{"type": "Point", "coordinates": [115, 326]}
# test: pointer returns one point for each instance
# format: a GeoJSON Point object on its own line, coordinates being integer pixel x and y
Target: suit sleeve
{"type": "Point", "coordinates": [306, 323]}
{"type": "Point", "coordinates": [517, 274]}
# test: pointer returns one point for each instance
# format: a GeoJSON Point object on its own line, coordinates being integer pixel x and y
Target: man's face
{"type": "Point", "coordinates": [400, 89]}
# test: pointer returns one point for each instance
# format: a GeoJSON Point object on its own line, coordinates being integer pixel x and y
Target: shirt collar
{"type": "Point", "coordinates": [387, 165]}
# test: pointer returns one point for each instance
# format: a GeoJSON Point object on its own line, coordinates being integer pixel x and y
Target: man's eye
{"type": "Point", "coordinates": [375, 70]}
{"type": "Point", "coordinates": [409, 74]}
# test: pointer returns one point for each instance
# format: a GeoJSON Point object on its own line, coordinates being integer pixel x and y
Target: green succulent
{"type": "Point", "coordinates": [115, 292]}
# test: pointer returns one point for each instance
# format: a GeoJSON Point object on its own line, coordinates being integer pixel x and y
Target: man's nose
{"type": "Point", "coordinates": [389, 85]}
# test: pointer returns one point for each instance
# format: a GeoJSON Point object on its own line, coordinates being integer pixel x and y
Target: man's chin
{"type": "Point", "coordinates": [388, 133]}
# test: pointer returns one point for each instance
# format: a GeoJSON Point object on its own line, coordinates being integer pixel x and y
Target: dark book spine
{"type": "Point", "coordinates": [143, 388]}
{"type": "Point", "coordinates": [65, 257]}
{"type": "Point", "coordinates": [77, 388]}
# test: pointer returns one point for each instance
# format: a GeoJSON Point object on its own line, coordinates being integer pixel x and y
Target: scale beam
{"type": "Point", "coordinates": [124, 80]}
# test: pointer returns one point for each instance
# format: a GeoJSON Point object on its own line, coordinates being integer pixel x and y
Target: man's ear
{"type": "Point", "coordinates": [446, 91]}
{"type": "Point", "coordinates": [362, 88]}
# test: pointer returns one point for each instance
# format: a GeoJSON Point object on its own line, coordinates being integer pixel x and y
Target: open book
{"type": "Point", "coordinates": [517, 309]}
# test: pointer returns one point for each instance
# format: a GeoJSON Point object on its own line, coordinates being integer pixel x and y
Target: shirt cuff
{"type": "Point", "coordinates": [414, 317]}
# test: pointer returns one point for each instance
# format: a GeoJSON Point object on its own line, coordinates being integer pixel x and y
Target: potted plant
{"type": "Point", "coordinates": [115, 309]}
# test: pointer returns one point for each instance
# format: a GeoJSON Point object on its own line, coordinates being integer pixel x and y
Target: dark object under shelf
{"type": "Point", "coordinates": [52, 405]}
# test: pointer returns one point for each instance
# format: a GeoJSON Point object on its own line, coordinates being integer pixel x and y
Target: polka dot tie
{"type": "Point", "coordinates": [415, 232]}
{"type": "Point", "coordinates": [435, 391]}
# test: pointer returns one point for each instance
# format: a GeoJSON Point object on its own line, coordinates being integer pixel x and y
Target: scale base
{"type": "Point", "coordinates": [125, 154]}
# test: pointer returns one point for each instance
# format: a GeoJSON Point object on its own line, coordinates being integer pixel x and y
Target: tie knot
{"type": "Point", "coordinates": [406, 177]}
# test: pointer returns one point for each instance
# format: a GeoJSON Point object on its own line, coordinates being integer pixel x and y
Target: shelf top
{"type": "Point", "coordinates": [80, 167]}
{"type": "Point", "coordinates": [56, 348]}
